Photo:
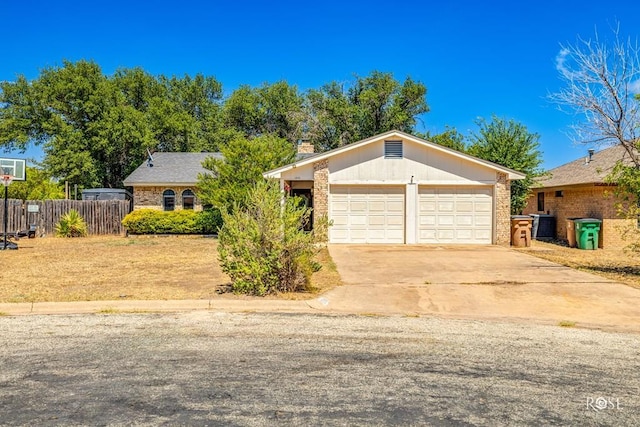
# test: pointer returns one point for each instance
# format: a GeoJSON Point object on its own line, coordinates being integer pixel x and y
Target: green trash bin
{"type": "Point", "coordinates": [587, 233]}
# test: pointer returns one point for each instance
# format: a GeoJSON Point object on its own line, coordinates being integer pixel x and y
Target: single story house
{"type": "Point", "coordinates": [578, 190]}
{"type": "Point", "coordinates": [167, 181]}
{"type": "Point", "coordinates": [400, 189]}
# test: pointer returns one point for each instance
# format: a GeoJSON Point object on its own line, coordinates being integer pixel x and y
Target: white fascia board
{"type": "Point", "coordinates": [512, 174]}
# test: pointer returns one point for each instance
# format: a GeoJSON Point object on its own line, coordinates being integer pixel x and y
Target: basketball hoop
{"type": "Point", "coordinates": [6, 180]}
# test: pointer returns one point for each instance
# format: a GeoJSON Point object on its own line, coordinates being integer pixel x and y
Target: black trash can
{"type": "Point", "coordinates": [544, 227]}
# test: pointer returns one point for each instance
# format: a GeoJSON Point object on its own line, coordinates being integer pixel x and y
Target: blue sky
{"type": "Point", "coordinates": [476, 58]}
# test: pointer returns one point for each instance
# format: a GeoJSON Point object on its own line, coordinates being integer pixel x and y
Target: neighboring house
{"type": "Point", "coordinates": [397, 188]}
{"type": "Point", "coordinates": [578, 190]}
{"type": "Point", "coordinates": [167, 181]}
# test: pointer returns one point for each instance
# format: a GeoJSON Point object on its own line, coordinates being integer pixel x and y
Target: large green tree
{"type": "Point", "coordinates": [450, 138]}
{"type": "Point", "coordinates": [338, 114]}
{"type": "Point", "coordinates": [509, 144]}
{"type": "Point", "coordinates": [269, 109]}
{"type": "Point", "coordinates": [96, 129]}
{"type": "Point", "coordinates": [230, 180]}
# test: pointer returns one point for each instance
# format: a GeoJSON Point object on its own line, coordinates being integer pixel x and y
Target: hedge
{"type": "Point", "coordinates": [151, 221]}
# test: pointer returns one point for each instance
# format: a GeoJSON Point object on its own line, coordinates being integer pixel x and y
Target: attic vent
{"type": "Point", "coordinates": [393, 149]}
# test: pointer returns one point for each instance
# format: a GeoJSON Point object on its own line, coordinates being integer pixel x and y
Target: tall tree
{"type": "Point", "coordinates": [509, 144]}
{"type": "Point", "coordinates": [269, 109]}
{"type": "Point", "coordinates": [96, 129]}
{"type": "Point", "coordinates": [230, 180]}
{"type": "Point", "coordinates": [450, 138]}
{"type": "Point", "coordinates": [602, 84]}
{"type": "Point", "coordinates": [337, 114]}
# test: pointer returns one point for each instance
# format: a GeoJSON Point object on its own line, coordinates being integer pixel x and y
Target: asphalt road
{"type": "Point", "coordinates": [211, 368]}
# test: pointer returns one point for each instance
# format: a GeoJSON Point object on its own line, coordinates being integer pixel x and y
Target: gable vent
{"type": "Point", "coordinates": [393, 149]}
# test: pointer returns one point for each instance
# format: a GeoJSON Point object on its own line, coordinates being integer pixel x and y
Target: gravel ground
{"type": "Point", "coordinates": [212, 368]}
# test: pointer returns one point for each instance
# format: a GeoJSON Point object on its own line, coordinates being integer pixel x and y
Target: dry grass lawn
{"type": "Point", "coordinates": [614, 264]}
{"type": "Point", "coordinates": [112, 268]}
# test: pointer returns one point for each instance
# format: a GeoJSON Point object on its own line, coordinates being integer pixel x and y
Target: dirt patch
{"type": "Point", "coordinates": [123, 268]}
{"type": "Point", "coordinates": [614, 264]}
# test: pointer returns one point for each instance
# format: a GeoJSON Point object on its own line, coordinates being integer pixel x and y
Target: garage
{"type": "Point", "coordinates": [455, 215]}
{"type": "Point", "coordinates": [367, 214]}
{"type": "Point", "coordinates": [395, 188]}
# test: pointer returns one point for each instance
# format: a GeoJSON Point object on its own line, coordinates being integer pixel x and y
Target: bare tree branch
{"type": "Point", "coordinates": [602, 84]}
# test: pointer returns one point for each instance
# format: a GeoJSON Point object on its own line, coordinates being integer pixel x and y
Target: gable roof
{"type": "Point", "coordinates": [170, 169]}
{"type": "Point", "coordinates": [275, 173]}
{"type": "Point", "coordinates": [584, 171]}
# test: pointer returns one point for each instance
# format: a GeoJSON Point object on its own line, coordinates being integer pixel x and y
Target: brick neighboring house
{"type": "Point", "coordinates": [400, 189]}
{"type": "Point", "coordinates": [168, 181]}
{"type": "Point", "coordinates": [578, 190]}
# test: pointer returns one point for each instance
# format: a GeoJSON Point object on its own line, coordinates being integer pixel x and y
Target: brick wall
{"type": "Point", "coordinates": [320, 190]}
{"type": "Point", "coordinates": [583, 202]}
{"type": "Point", "coordinates": [503, 209]}
{"type": "Point", "coordinates": [151, 197]}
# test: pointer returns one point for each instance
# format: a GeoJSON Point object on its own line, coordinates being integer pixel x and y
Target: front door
{"type": "Point", "coordinates": [307, 201]}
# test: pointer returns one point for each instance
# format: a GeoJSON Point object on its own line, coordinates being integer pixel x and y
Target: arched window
{"type": "Point", "coordinates": [188, 199]}
{"type": "Point", "coordinates": [169, 200]}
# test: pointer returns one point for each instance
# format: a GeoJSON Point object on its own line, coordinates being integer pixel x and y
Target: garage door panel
{"type": "Point", "coordinates": [339, 220]}
{"type": "Point", "coordinates": [340, 206]}
{"type": "Point", "coordinates": [377, 206]}
{"type": "Point", "coordinates": [445, 206]}
{"type": "Point", "coordinates": [455, 215]}
{"type": "Point", "coordinates": [374, 214]}
{"type": "Point", "coordinates": [466, 206]}
{"type": "Point", "coordinates": [483, 235]}
{"type": "Point", "coordinates": [396, 220]}
{"type": "Point", "coordinates": [357, 206]}
{"type": "Point", "coordinates": [428, 206]}
{"type": "Point", "coordinates": [464, 220]}
{"type": "Point", "coordinates": [483, 220]}
{"type": "Point", "coordinates": [395, 206]}
{"type": "Point", "coordinates": [377, 220]}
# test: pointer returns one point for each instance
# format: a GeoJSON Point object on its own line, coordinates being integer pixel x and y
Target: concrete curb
{"type": "Point", "coordinates": [143, 306]}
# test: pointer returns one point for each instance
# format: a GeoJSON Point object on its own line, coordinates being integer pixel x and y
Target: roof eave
{"type": "Point", "coordinates": [277, 173]}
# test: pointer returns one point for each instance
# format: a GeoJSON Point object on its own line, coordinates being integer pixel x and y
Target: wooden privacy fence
{"type": "Point", "coordinates": [101, 216]}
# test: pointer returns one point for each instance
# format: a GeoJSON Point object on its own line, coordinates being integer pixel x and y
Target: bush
{"type": "Point", "coordinates": [263, 246]}
{"type": "Point", "coordinates": [71, 224]}
{"type": "Point", "coordinates": [151, 221]}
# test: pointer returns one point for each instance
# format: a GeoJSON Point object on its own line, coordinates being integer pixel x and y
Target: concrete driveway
{"type": "Point", "coordinates": [475, 282]}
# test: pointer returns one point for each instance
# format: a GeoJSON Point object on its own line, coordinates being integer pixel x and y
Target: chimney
{"type": "Point", "coordinates": [305, 147]}
{"type": "Point", "coordinates": [591, 151]}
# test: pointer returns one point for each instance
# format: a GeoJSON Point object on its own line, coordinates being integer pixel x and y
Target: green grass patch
{"type": "Point", "coordinates": [567, 324]}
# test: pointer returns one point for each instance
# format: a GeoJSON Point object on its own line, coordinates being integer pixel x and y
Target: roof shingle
{"type": "Point", "coordinates": [170, 168]}
{"type": "Point", "coordinates": [583, 171]}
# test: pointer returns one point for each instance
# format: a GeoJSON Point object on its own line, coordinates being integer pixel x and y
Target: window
{"type": "Point", "coordinates": [393, 149]}
{"type": "Point", "coordinates": [169, 200]}
{"type": "Point", "coordinates": [559, 193]}
{"type": "Point", "coordinates": [541, 202]}
{"type": "Point", "coordinates": [188, 199]}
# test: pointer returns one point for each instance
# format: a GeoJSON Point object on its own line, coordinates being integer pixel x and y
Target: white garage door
{"type": "Point", "coordinates": [366, 214]}
{"type": "Point", "coordinates": [455, 215]}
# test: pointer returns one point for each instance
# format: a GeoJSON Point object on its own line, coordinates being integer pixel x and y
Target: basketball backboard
{"type": "Point", "coordinates": [14, 167]}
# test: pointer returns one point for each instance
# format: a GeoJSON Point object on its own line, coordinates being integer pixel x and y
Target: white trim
{"type": "Point", "coordinates": [440, 183]}
{"type": "Point", "coordinates": [276, 173]}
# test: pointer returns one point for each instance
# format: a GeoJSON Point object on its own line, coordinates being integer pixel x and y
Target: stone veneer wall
{"type": "Point", "coordinates": [503, 209]}
{"type": "Point", "coordinates": [594, 201]}
{"type": "Point", "coordinates": [320, 190]}
{"type": "Point", "coordinates": [151, 197]}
